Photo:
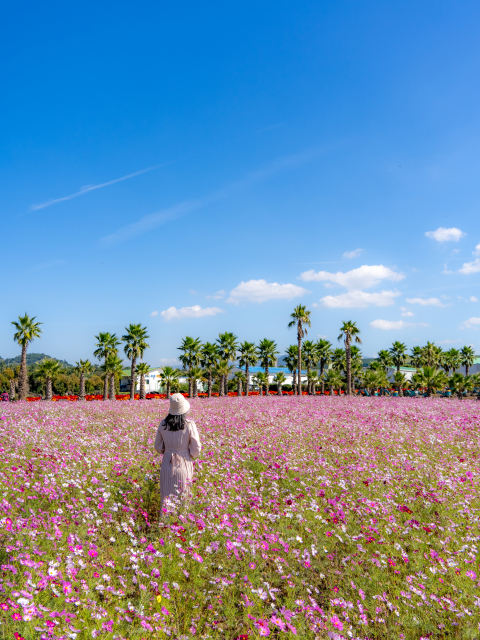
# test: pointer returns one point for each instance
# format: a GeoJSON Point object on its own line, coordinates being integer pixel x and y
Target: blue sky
{"type": "Point", "coordinates": [202, 167]}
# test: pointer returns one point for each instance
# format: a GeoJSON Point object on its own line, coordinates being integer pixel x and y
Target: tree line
{"type": "Point", "coordinates": [326, 366]}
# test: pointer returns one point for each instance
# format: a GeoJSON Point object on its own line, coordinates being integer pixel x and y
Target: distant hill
{"type": "Point", "coordinates": [32, 358]}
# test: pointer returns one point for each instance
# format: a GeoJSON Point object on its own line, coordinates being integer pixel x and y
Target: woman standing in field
{"type": "Point", "coordinates": [177, 438]}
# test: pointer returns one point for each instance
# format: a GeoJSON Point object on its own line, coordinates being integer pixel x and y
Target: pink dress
{"type": "Point", "coordinates": [179, 448]}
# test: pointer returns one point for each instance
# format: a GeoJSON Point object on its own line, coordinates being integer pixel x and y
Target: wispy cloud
{"type": "Point", "coordinates": [352, 254]}
{"type": "Point", "coordinates": [93, 187]}
{"type": "Point", "coordinates": [48, 265]}
{"type": "Point", "coordinates": [154, 220]}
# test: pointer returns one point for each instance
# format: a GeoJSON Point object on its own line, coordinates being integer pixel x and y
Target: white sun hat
{"type": "Point", "coordinates": [178, 405]}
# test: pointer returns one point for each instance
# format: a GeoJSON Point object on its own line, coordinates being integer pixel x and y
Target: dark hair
{"type": "Point", "coordinates": [175, 423]}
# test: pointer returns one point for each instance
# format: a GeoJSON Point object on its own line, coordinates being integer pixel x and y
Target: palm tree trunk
{"type": "Point", "coordinates": [467, 369]}
{"type": "Point", "coordinates": [132, 378]}
{"type": "Point", "coordinates": [309, 382]}
{"type": "Point", "coordinates": [239, 388]}
{"type": "Point", "coordinates": [331, 391]}
{"type": "Point", "coordinates": [348, 358]}
{"type": "Point", "coordinates": [246, 380]}
{"type": "Point", "coordinates": [209, 383]}
{"type": "Point", "coordinates": [105, 387]}
{"type": "Point", "coordinates": [299, 359]}
{"type": "Point", "coordinates": [48, 391]}
{"type": "Point", "coordinates": [112, 386]}
{"type": "Point", "coordinates": [168, 390]}
{"type": "Point", "coordinates": [142, 387]}
{"type": "Point", "coordinates": [23, 375]}
{"type": "Point", "coordinates": [12, 390]}
{"type": "Point", "coordinates": [190, 390]}
{"type": "Point", "coordinates": [322, 366]}
{"type": "Point", "coordinates": [195, 388]}
{"type": "Point", "coordinates": [294, 381]}
{"type": "Point", "coordinates": [279, 389]}
{"type": "Point", "coordinates": [221, 387]}
{"type": "Point", "coordinates": [81, 396]}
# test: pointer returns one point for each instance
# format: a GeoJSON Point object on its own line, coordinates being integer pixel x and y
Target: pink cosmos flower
{"type": "Point", "coordinates": [16, 616]}
{"type": "Point", "coordinates": [4, 606]}
{"type": "Point", "coordinates": [92, 553]}
{"type": "Point", "coordinates": [67, 588]}
{"type": "Point", "coordinates": [8, 524]}
{"type": "Point", "coordinates": [337, 623]}
{"type": "Point", "coordinates": [197, 557]}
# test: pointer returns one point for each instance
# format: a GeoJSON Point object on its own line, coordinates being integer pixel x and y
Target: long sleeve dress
{"type": "Point", "coordinates": [179, 448]}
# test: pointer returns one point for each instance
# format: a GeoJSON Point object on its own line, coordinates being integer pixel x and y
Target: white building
{"type": "Point", "coordinates": [272, 372]}
{"type": "Point", "coordinates": [152, 382]}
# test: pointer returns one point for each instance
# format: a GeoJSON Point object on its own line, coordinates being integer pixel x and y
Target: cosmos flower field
{"type": "Point", "coordinates": [309, 517]}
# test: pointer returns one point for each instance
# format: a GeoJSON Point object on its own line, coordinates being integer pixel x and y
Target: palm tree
{"type": "Point", "coordinates": [196, 375]}
{"type": "Point", "coordinates": [106, 345]}
{"type": "Point", "coordinates": [433, 379]}
{"type": "Point", "coordinates": [384, 357]}
{"type": "Point", "coordinates": [142, 370]}
{"type": "Point", "coordinates": [221, 372]}
{"type": "Point", "coordinates": [454, 358]}
{"type": "Point", "coordinates": [208, 360]}
{"type": "Point", "coordinates": [333, 380]}
{"type": "Point", "coordinates": [247, 358]}
{"type": "Point", "coordinates": [267, 354]}
{"type": "Point", "coordinates": [169, 376]}
{"type": "Point", "coordinates": [261, 380]}
{"type": "Point", "coordinates": [240, 378]}
{"type": "Point", "coordinates": [371, 380]}
{"type": "Point", "coordinates": [400, 380]}
{"type": "Point", "coordinates": [291, 362]}
{"type": "Point", "coordinates": [324, 353]}
{"type": "Point", "coordinates": [458, 384]}
{"type": "Point", "coordinates": [83, 367]}
{"type": "Point", "coordinates": [310, 356]}
{"type": "Point", "coordinates": [227, 348]}
{"type": "Point", "coordinates": [339, 360]}
{"type": "Point", "coordinates": [191, 355]}
{"type": "Point", "coordinates": [135, 345]}
{"type": "Point", "coordinates": [467, 358]}
{"type": "Point", "coordinates": [48, 371]}
{"type": "Point", "coordinates": [398, 353]}
{"type": "Point", "coordinates": [300, 319]}
{"type": "Point", "coordinates": [416, 357]}
{"type": "Point", "coordinates": [26, 331]}
{"type": "Point", "coordinates": [312, 381]}
{"type": "Point", "coordinates": [113, 366]}
{"type": "Point", "coordinates": [431, 355]}
{"type": "Point", "coordinates": [279, 380]}
{"type": "Point", "coordinates": [348, 332]}
{"type": "Point", "coordinates": [445, 362]}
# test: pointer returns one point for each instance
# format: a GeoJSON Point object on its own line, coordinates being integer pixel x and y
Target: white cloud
{"type": "Point", "coordinates": [352, 254]}
{"type": "Point", "coordinates": [169, 362]}
{"type": "Point", "coordinates": [359, 299]}
{"type": "Point", "coordinates": [473, 299]}
{"type": "Point", "coordinates": [154, 313]}
{"type": "Point", "coordinates": [471, 323]}
{"type": "Point", "coordinates": [446, 235]}
{"type": "Point", "coordinates": [261, 291]}
{"type": "Point", "coordinates": [92, 187]}
{"type": "Point", "coordinates": [426, 302]}
{"type": "Point", "coordinates": [320, 335]}
{"type": "Point", "coordinates": [448, 341]}
{"type": "Point", "coordinates": [470, 267]}
{"type": "Point", "coordinates": [405, 312]}
{"type": "Point", "coordinates": [361, 278]}
{"type": "Point", "coordinates": [189, 312]}
{"type": "Point", "coordinates": [387, 325]}
{"type": "Point", "coordinates": [217, 296]}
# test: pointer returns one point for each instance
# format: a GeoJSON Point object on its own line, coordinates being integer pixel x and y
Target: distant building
{"type": "Point", "coordinates": [407, 371]}
{"type": "Point", "coordinates": [272, 372]}
{"type": "Point", "coordinates": [152, 382]}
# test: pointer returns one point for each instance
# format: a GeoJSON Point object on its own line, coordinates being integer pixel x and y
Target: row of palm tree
{"type": "Point", "coordinates": [215, 360]}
